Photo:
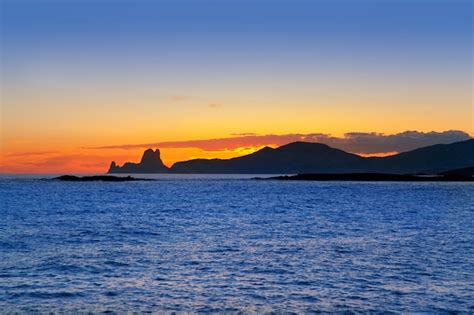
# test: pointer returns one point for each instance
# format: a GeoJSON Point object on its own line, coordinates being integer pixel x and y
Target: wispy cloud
{"type": "Point", "coordinates": [356, 142]}
{"type": "Point", "coordinates": [215, 105]}
{"type": "Point", "coordinates": [179, 98]}
{"type": "Point", "coordinates": [33, 153]}
{"type": "Point", "coordinates": [78, 161]}
{"type": "Point", "coordinates": [243, 134]}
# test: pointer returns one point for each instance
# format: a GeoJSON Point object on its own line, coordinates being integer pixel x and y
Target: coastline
{"type": "Point", "coordinates": [373, 177]}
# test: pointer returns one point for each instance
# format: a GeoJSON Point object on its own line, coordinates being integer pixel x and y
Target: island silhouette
{"type": "Point", "coordinates": [307, 157]}
{"type": "Point", "coordinates": [95, 178]}
{"type": "Point", "coordinates": [150, 163]}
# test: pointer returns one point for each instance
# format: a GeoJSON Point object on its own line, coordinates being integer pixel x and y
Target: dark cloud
{"type": "Point", "coordinates": [356, 142]}
{"type": "Point", "coordinates": [409, 140]}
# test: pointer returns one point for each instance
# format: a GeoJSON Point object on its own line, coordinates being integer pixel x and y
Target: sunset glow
{"type": "Point", "coordinates": [158, 72]}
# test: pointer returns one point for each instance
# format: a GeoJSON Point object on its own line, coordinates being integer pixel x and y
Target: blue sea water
{"type": "Point", "coordinates": [210, 243]}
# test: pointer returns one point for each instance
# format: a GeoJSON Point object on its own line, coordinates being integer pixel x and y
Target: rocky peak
{"type": "Point", "coordinates": [149, 164]}
{"type": "Point", "coordinates": [151, 157]}
{"type": "Point", "coordinates": [113, 167]}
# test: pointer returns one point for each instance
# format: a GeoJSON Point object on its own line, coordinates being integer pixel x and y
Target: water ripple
{"type": "Point", "coordinates": [226, 245]}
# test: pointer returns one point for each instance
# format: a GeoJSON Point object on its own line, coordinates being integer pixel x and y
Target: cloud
{"type": "Point", "coordinates": [243, 134]}
{"type": "Point", "coordinates": [400, 142]}
{"type": "Point", "coordinates": [59, 162]}
{"type": "Point", "coordinates": [215, 105]}
{"type": "Point", "coordinates": [356, 142]}
{"type": "Point", "coordinates": [27, 154]}
{"type": "Point", "coordinates": [179, 98]}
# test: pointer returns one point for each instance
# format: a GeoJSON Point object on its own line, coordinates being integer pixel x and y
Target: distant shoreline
{"type": "Point", "coordinates": [103, 178]}
{"type": "Point", "coordinates": [361, 177]}
{"type": "Point", "coordinates": [373, 177]}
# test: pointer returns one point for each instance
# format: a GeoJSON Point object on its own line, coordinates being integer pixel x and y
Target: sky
{"type": "Point", "coordinates": [87, 82]}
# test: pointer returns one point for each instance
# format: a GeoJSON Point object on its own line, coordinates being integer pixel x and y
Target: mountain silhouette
{"type": "Point", "coordinates": [305, 157]}
{"type": "Point", "coordinates": [296, 157]}
{"type": "Point", "coordinates": [466, 171]}
{"type": "Point", "coordinates": [150, 163]}
{"type": "Point", "coordinates": [429, 160]}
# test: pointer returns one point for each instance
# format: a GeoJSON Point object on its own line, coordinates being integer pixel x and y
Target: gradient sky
{"type": "Point", "coordinates": [76, 75]}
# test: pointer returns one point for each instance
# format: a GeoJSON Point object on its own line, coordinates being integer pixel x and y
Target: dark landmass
{"type": "Point", "coordinates": [374, 177]}
{"type": "Point", "coordinates": [150, 163]}
{"type": "Point", "coordinates": [315, 158]}
{"type": "Point", "coordinates": [296, 157]}
{"type": "Point", "coordinates": [104, 178]}
{"type": "Point", "coordinates": [467, 171]}
{"type": "Point", "coordinates": [429, 160]}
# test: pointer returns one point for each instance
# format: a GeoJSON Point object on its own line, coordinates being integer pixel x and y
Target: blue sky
{"type": "Point", "coordinates": [379, 33]}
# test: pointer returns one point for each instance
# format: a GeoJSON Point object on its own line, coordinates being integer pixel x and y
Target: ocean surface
{"type": "Point", "coordinates": [229, 243]}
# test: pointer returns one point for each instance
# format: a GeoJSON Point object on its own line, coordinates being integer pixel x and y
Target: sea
{"type": "Point", "coordinates": [232, 244]}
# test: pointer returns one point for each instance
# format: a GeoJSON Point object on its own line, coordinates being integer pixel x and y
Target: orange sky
{"type": "Point", "coordinates": [52, 158]}
{"type": "Point", "coordinates": [80, 75]}
{"type": "Point", "coordinates": [88, 161]}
